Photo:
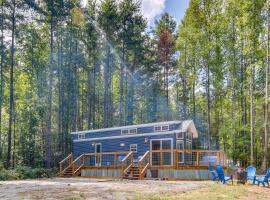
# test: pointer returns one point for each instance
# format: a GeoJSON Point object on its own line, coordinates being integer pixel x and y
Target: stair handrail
{"type": "Point", "coordinates": [69, 158]}
{"type": "Point", "coordinates": [124, 167]}
{"type": "Point", "coordinates": [74, 167]}
{"type": "Point", "coordinates": [144, 163]}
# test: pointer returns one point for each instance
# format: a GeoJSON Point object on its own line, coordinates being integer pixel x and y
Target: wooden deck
{"type": "Point", "coordinates": [124, 164]}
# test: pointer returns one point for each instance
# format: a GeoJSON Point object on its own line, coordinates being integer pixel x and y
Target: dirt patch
{"type": "Point", "coordinates": [94, 189]}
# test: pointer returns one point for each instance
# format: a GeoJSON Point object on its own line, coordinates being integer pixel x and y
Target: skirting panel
{"type": "Point", "coordinates": [101, 173]}
{"type": "Point", "coordinates": [199, 174]}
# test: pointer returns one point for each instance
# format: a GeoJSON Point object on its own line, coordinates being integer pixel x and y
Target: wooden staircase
{"type": "Point", "coordinates": [133, 173]}
{"type": "Point", "coordinates": [133, 170]}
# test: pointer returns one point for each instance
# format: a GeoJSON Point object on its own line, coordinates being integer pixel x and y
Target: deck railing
{"type": "Point", "coordinates": [92, 160]}
{"type": "Point", "coordinates": [178, 158]}
{"type": "Point", "coordinates": [65, 163]}
{"type": "Point", "coordinates": [144, 164]}
{"type": "Point", "coordinates": [127, 163]}
{"type": "Point", "coordinates": [156, 159]}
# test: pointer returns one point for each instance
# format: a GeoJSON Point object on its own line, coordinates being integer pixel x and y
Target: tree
{"type": "Point", "coordinates": [11, 89]}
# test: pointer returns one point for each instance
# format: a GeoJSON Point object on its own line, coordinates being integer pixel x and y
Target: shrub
{"type": "Point", "coordinates": [22, 172]}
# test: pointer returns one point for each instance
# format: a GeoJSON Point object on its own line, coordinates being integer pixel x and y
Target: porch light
{"type": "Point", "coordinates": [146, 140]}
{"type": "Point", "coordinates": [122, 144]}
{"type": "Point", "coordinates": [93, 144]}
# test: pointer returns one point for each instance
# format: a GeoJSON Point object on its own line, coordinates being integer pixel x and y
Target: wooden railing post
{"type": "Point", "coordinates": [176, 159]}
{"type": "Point", "coordinates": [114, 161]}
{"type": "Point", "coordinates": [60, 168]}
{"type": "Point", "coordinates": [197, 159]}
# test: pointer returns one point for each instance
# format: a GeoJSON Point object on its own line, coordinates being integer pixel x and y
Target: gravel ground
{"type": "Point", "coordinates": [94, 189]}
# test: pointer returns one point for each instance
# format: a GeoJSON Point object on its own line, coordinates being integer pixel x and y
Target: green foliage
{"type": "Point", "coordinates": [22, 172]}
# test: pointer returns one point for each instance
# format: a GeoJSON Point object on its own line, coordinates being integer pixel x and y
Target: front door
{"type": "Point", "coordinates": [98, 156]}
{"type": "Point", "coordinates": [161, 158]}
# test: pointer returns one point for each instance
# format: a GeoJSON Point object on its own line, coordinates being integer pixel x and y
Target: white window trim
{"type": "Point", "coordinates": [167, 129]}
{"type": "Point", "coordinates": [188, 142]}
{"type": "Point", "coordinates": [162, 128]}
{"type": "Point", "coordinates": [157, 130]}
{"type": "Point", "coordinates": [181, 153]}
{"type": "Point", "coordinates": [81, 136]}
{"type": "Point", "coordinates": [129, 131]}
{"type": "Point", "coordinates": [134, 146]}
{"type": "Point", "coordinates": [180, 141]}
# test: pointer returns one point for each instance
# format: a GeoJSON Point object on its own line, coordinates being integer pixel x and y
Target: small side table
{"type": "Point", "coordinates": [241, 176]}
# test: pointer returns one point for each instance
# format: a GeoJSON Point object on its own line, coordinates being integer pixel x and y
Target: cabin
{"type": "Point", "coordinates": [162, 150]}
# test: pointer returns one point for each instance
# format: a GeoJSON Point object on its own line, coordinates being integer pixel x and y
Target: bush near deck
{"type": "Point", "coordinates": [22, 172]}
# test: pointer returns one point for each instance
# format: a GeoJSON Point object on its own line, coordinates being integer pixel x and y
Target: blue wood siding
{"type": "Point", "coordinates": [117, 132]}
{"type": "Point", "coordinates": [113, 145]}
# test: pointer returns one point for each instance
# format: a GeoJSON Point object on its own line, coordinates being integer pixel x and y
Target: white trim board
{"type": "Point", "coordinates": [126, 136]}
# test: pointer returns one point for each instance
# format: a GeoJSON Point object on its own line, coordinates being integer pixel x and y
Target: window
{"type": "Point", "coordinates": [125, 131]}
{"type": "Point", "coordinates": [81, 136]}
{"type": "Point", "coordinates": [132, 131]}
{"type": "Point", "coordinates": [157, 128]}
{"type": "Point", "coordinates": [133, 147]}
{"type": "Point", "coordinates": [189, 145]}
{"type": "Point", "coordinates": [165, 128]}
{"type": "Point", "coordinates": [180, 135]}
{"type": "Point", "coordinates": [161, 128]}
{"type": "Point", "coordinates": [189, 136]}
{"type": "Point", "coordinates": [180, 145]}
{"type": "Point", "coordinates": [128, 131]}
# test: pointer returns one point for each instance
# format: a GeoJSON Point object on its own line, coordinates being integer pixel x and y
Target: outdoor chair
{"type": "Point", "coordinates": [221, 177]}
{"type": "Point", "coordinates": [251, 173]}
{"type": "Point", "coordinates": [213, 173]}
{"type": "Point", "coordinates": [263, 179]}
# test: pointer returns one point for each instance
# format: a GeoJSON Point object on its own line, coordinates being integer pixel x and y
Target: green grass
{"type": "Point", "coordinates": [212, 192]}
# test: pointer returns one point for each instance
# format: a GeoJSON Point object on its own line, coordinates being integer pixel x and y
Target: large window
{"type": "Point", "coordinates": [161, 158]}
{"type": "Point", "coordinates": [133, 147]}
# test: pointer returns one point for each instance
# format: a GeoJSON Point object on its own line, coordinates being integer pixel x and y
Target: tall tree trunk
{"type": "Point", "coordinates": [96, 64]}
{"type": "Point", "coordinates": [11, 91]}
{"type": "Point", "coordinates": [121, 87]}
{"type": "Point", "coordinates": [107, 87]}
{"type": "Point", "coordinates": [1, 75]}
{"type": "Point", "coordinates": [251, 115]}
{"type": "Point", "coordinates": [60, 105]}
{"type": "Point", "coordinates": [208, 106]}
{"type": "Point", "coordinates": [49, 113]}
{"type": "Point", "coordinates": [266, 104]}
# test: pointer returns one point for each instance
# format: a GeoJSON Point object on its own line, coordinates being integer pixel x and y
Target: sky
{"type": "Point", "coordinates": [153, 9]}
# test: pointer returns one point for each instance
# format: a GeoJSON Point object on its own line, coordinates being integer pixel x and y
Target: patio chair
{"type": "Point", "coordinates": [222, 178]}
{"type": "Point", "coordinates": [263, 179]}
{"type": "Point", "coordinates": [251, 173]}
{"type": "Point", "coordinates": [213, 173]}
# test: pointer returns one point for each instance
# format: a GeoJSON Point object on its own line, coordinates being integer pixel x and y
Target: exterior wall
{"type": "Point", "coordinates": [181, 174]}
{"type": "Point", "coordinates": [114, 145]}
{"type": "Point", "coordinates": [117, 131]}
